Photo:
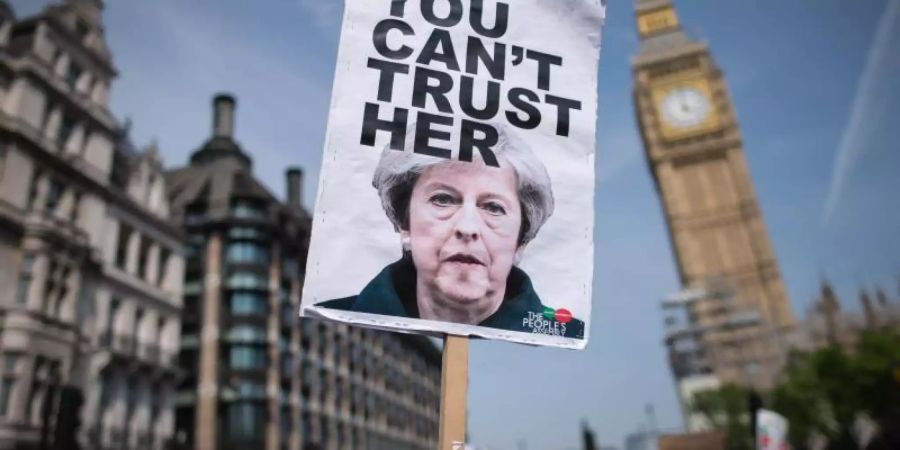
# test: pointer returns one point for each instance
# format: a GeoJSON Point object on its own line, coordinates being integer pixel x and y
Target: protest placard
{"type": "Point", "coordinates": [456, 189]}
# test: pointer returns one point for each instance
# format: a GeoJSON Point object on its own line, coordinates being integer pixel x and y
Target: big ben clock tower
{"type": "Point", "coordinates": [693, 147]}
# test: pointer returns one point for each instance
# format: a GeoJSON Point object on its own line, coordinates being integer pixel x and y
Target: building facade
{"type": "Point", "coordinates": [687, 337]}
{"type": "Point", "coordinates": [693, 148]}
{"type": "Point", "coordinates": [89, 264]}
{"type": "Point", "coordinates": [828, 324]}
{"type": "Point", "coordinates": [257, 376]}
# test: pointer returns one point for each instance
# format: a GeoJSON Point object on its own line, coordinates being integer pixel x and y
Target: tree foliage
{"type": "Point", "coordinates": [823, 395]}
{"type": "Point", "coordinates": [726, 409]}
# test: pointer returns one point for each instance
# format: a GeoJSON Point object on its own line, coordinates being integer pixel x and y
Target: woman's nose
{"type": "Point", "coordinates": [468, 224]}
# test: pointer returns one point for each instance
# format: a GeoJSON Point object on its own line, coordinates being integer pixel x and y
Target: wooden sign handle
{"type": "Point", "coordinates": [454, 387]}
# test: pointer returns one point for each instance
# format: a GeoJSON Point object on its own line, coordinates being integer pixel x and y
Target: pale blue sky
{"type": "Point", "coordinates": [794, 69]}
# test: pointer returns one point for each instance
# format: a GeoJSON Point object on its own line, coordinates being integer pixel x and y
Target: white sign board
{"type": "Point", "coordinates": [456, 189]}
{"type": "Point", "coordinates": [771, 431]}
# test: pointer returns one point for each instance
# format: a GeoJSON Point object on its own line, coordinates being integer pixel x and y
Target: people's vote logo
{"type": "Point", "coordinates": [549, 321]}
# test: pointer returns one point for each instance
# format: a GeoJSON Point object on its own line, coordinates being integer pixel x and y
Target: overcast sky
{"type": "Point", "coordinates": [815, 92]}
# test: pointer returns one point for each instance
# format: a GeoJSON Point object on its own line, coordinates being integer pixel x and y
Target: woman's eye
{"type": "Point", "coordinates": [442, 199]}
{"type": "Point", "coordinates": [494, 208]}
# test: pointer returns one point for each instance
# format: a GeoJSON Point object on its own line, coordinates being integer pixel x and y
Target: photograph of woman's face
{"type": "Point", "coordinates": [463, 230]}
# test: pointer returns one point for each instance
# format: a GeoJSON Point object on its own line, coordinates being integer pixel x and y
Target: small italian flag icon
{"type": "Point", "coordinates": [560, 315]}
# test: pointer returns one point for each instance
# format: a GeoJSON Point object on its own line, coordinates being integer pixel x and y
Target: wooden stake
{"type": "Point", "coordinates": [454, 386]}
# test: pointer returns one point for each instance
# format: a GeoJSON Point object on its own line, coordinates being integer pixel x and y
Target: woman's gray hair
{"type": "Point", "coordinates": [398, 171]}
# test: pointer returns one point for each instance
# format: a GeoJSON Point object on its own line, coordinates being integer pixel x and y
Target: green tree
{"type": "Point", "coordinates": [822, 394]}
{"type": "Point", "coordinates": [800, 400]}
{"type": "Point", "coordinates": [726, 409]}
{"type": "Point", "coordinates": [819, 396]}
{"type": "Point", "coordinates": [836, 372]}
{"type": "Point", "coordinates": [825, 392]}
{"type": "Point", "coordinates": [878, 384]}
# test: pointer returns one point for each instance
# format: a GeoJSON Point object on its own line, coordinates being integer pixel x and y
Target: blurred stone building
{"type": "Point", "coordinates": [90, 267]}
{"type": "Point", "coordinates": [257, 376]}
{"type": "Point", "coordinates": [827, 323]}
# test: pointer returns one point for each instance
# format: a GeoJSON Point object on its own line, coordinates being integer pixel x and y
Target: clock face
{"type": "Point", "coordinates": [685, 107]}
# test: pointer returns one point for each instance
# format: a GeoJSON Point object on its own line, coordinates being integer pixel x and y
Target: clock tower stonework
{"type": "Point", "coordinates": [693, 147]}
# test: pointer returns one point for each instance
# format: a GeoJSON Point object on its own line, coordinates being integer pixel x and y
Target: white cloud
{"type": "Point", "coordinates": [865, 113]}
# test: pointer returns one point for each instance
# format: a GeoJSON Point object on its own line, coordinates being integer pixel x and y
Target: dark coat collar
{"type": "Point", "coordinates": [392, 292]}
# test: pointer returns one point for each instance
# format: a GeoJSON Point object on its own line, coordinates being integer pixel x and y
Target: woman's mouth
{"type": "Point", "coordinates": [463, 258]}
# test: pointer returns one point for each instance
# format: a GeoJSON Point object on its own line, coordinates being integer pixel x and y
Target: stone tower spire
{"type": "Point", "coordinates": [865, 301]}
{"type": "Point", "coordinates": [830, 308]}
{"type": "Point", "coordinates": [881, 297]}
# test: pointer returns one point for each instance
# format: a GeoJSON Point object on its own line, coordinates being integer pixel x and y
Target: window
{"type": "Point", "coordinates": [194, 213]}
{"type": "Point", "coordinates": [138, 317]}
{"type": "Point", "coordinates": [247, 334]}
{"type": "Point", "coordinates": [130, 398]}
{"type": "Point", "coordinates": [245, 233]}
{"type": "Point", "coordinates": [143, 254]}
{"type": "Point", "coordinates": [247, 280]}
{"type": "Point", "coordinates": [25, 278]}
{"type": "Point", "coordinates": [46, 375]}
{"type": "Point", "coordinates": [122, 246]}
{"type": "Point", "coordinates": [247, 357]}
{"type": "Point", "coordinates": [7, 382]}
{"type": "Point", "coordinates": [155, 401]}
{"type": "Point", "coordinates": [111, 318]}
{"type": "Point", "coordinates": [89, 89]}
{"type": "Point", "coordinates": [188, 359]}
{"type": "Point", "coordinates": [246, 253]}
{"type": "Point", "coordinates": [73, 74]}
{"type": "Point", "coordinates": [194, 248]}
{"type": "Point", "coordinates": [248, 209]}
{"type": "Point", "coordinates": [56, 287]}
{"type": "Point", "coordinates": [287, 368]}
{"type": "Point", "coordinates": [288, 315]}
{"type": "Point", "coordinates": [285, 426]}
{"type": "Point", "coordinates": [246, 388]}
{"type": "Point", "coordinates": [193, 284]}
{"type": "Point", "coordinates": [54, 195]}
{"type": "Point", "coordinates": [164, 255]}
{"type": "Point", "coordinates": [245, 421]}
{"type": "Point", "coordinates": [105, 389]}
{"type": "Point", "coordinates": [245, 303]}
{"type": "Point", "coordinates": [283, 345]}
{"type": "Point", "coordinates": [45, 121]}
{"type": "Point", "coordinates": [160, 329]}
{"type": "Point", "coordinates": [191, 312]}
{"type": "Point", "coordinates": [76, 204]}
{"type": "Point", "coordinates": [65, 131]}
{"type": "Point", "coordinates": [289, 268]}
{"type": "Point", "coordinates": [33, 189]}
